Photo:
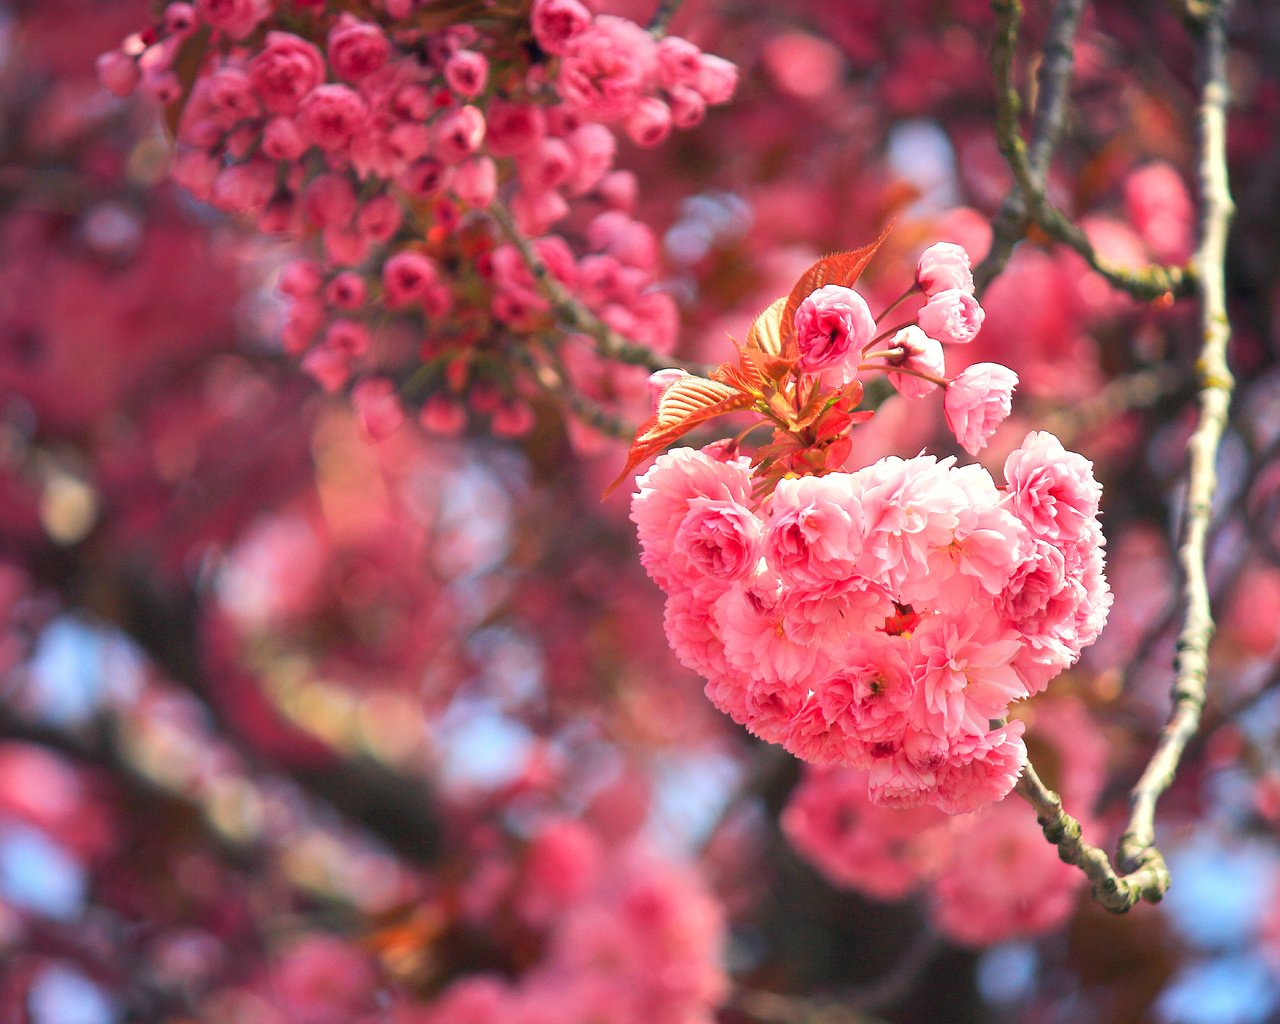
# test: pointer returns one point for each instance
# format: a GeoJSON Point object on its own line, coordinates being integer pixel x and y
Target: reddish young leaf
{"type": "Point", "coordinates": [842, 268]}
{"type": "Point", "coordinates": [684, 405]}
{"type": "Point", "coordinates": [765, 332]}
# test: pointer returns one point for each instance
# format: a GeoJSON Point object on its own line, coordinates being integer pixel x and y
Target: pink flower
{"type": "Point", "coordinates": [815, 529]}
{"type": "Point", "coordinates": [981, 769]}
{"type": "Point", "coordinates": [330, 115]}
{"type": "Point", "coordinates": [329, 200]}
{"type": "Point", "coordinates": [475, 181]}
{"type": "Point", "coordinates": [406, 277]}
{"type": "Point", "coordinates": [605, 69]}
{"type": "Point", "coordinates": [285, 70]}
{"type": "Point", "coordinates": [595, 147]}
{"type": "Point", "coordinates": [717, 79]}
{"type": "Point", "coordinates": [467, 72]}
{"type": "Point", "coordinates": [679, 62]}
{"type": "Point", "coordinates": [718, 541]}
{"type": "Point", "coordinates": [966, 676]}
{"type": "Point", "coordinates": [832, 325]}
{"type": "Point", "coordinates": [457, 134]}
{"type": "Point", "coordinates": [921, 354]}
{"type": "Point", "coordinates": [942, 267]}
{"type": "Point", "coordinates": [281, 139]}
{"type": "Point", "coordinates": [952, 316]}
{"type": "Point", "coordinates": [649, 123]}
{"type": "Point", "coordinates": [556, 22]}
{"type": "Point", "coordinates": [245, 188]}
{"type": "Point", "coordinates": [513, 127]}
{"type": "Point", "coordinates": [118, 72]}
{"type": "Point", "coordinates": [1053, 490]}
{"type": "Point", "coordinates": [1156, 201]}
{"type": "Point", "coordinates": [379, 217]}
{"type": "Point", "coordinates": [836, 617]}
{"type": "Point", "coordinates": [663, 496]}
{"type": "Point", "coordinates": [237, 18]}
{"type": "Point", "coordinates": [750, 618]}
{"type": "Point", "coordinates": [356, 48]}
{"type": "Point", "coordinates": [977, 402]}
{"type": "Point", "coordinates": [346, 291]}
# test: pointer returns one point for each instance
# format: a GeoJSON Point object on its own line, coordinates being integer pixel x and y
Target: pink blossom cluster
{"type": "Point", "coordinates": [990, 875]}
{"type": "Point", "coordinates": [884, 618]}
{"type": "Point", "coordinates": [628, 938]}
{"type": "Point", "coordinates": [386, 141]}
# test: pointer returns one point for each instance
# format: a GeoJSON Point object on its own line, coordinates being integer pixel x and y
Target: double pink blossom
{"type": "Point", "coordinates": [831, 327]}
{"type": "Point", "coordinates": [977, 402]}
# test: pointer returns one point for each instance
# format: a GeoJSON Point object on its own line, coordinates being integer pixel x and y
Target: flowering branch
{"type": "Point", "coordinates": [575, 315]}
{"type": "Point", "coordinates": [1151, 283]}
{"type": "Point", "coordinates": [1146, 876]}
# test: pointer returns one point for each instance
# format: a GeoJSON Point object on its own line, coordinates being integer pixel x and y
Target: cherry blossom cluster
{"type": "Point", "coordinates": [990, 876]}
{"type": "Point", "coordinates": [386, 134]}
{"type": "Point", "coordinates": [885, 617]}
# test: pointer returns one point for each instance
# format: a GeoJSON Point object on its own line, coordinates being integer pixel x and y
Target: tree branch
{"type": "Point", "coordinates": [1150, 283]}
{"type": "Point", "coordinates": [575, 315]}
{"type": "Point", "coordinates": [1146, 876]}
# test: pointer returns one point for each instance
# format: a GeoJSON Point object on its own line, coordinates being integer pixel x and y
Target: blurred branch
{"type": "Point", "coordinates": [576, 316]}
{"type": "Point", "coordinates": [1053, 85]}
{"type": "Point", "coordinates": [1154, 282]}
{"type": "Point", "coordinates": [1147, 877]}
{"type": "Point", "coordinates": [851, 1007]}
{"type": "Point", "coordinates": [661, 19]}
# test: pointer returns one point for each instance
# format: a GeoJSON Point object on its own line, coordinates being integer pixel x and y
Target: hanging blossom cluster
{"type": "Point", "coordinates": [883, 618]}
{"type": "Point", "coordinates": [387, 130]}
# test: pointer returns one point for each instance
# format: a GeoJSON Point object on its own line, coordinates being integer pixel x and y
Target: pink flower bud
{"type": "Point", "coordinates": [345, 246]}
{"type": "Point", "coordinates": [118, 72]}
{"type": "Point", "coordinates": [329, 367]}
{"type": "Point", "coordinates": [548, 165]}
{"type": "Point", "coordinates": [346, 291]}
{"type": "Point", "coordinates": [921, 354]}
{"type": "Point", "coordinates": [424, 178]}
{"type": "Point", "coordinates": [244, 188]}
{"type": "Point", "coordinates": [717, 79]}
{"type": "Point", "coordinates": [466, 72]}
{"type": "Point", "coordinates": [513, 127]}
{"type": "Point", "coordinates": [458, 134]}
{"type": "Point", "coordinates": [237, 18]}
{"type": "Point", "coordinates": [942, 267]}
{"type": "Point", "coordinates": [285, 70]}
{"type": "Point", "coordinates": [180, 19]}
{"type": "Point", "coordinates": [356, 48]}
{"type": "Point", "coordinates": [281, 139]}
{"type": "Point", "coordinates": [649, 123]}
{"type": "Point", "coordinates": [977, 402]}
{"type": "Point", "coordinates": [952, 316]}
{"type": "Point", "coordinates": [832, 325]}
{"type": "Point", "coordinates": [511, 418]}
{"type": "Point", "coordinates": [475, 181]}
{"type": "Point", "coordinates": [330, 115]}
{"type": "Point", "coordinates": [619, 190]}
{"type": "Point", "coordinates": [300, 279]}
{"type": "Point", "coordinates": [406, 276]}
{"type": "Point", "coordinates": [535, 212]}
{"type": "Point", "coordinates": [443, 416]}
{"type": "Point", "coordinates": [679, 62]}
{"type": "Point", "coordinates": [688, 108]}
{"type": "Point", "coordinates": [349, 337]}
{"type": "Point", "coordinates": [595, 147]}
{"type": "Point", "coordinates": [379, 218]}
{"type": "Point", "coordinates": [329, 200]}
{"type": "Point", "coordinates": [555, 22]}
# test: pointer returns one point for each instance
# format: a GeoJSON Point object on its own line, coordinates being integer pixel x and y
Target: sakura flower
{"type": "Point", "coordinates": [977, 402]}
{"type": "Point", "coordinates": [357, 48]}
{"type": "Point", "coordinates": [814, 529]}
{"type": "Point", "coordinates": [605, 68]}
{"type": "Point", "coordinates": [942, 267]}
{"type": "Point", "coordinates": [831, 327]}
{"type": "Point", "coordinates": [1052, 490]}
{"type": "Point", "coordinates": [717, 540]}
{"type": "Point", "coordinates": [953, 316]}
{"type": "Point", "coordinates": [285, 70]}
{"type": "Point", "coordinates": [921, 354]}
{"type": "Point", "coordinates": [966, 677]}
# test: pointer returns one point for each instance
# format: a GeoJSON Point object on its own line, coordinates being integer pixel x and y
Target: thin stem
{"type": "Point", "coordinates": [897, 302]}
{"type": "Point", "coordinates": [666, 10]}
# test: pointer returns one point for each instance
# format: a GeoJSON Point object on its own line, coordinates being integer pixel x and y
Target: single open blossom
{"type": "Point", "coordinates": [831, 327]}
{"type": "Point", "coordinates": [977, 402]}
{"type": "Point", "coordinates": [357, 48]}
{"type": "Point", "coordinates": [285, 70]}
{"type": "Point", "coordinates": [953, 316]}
{"type": "Point", "coordinates": [1052, 489]}
{"type": "Point", "coordinates": [942, 267]}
